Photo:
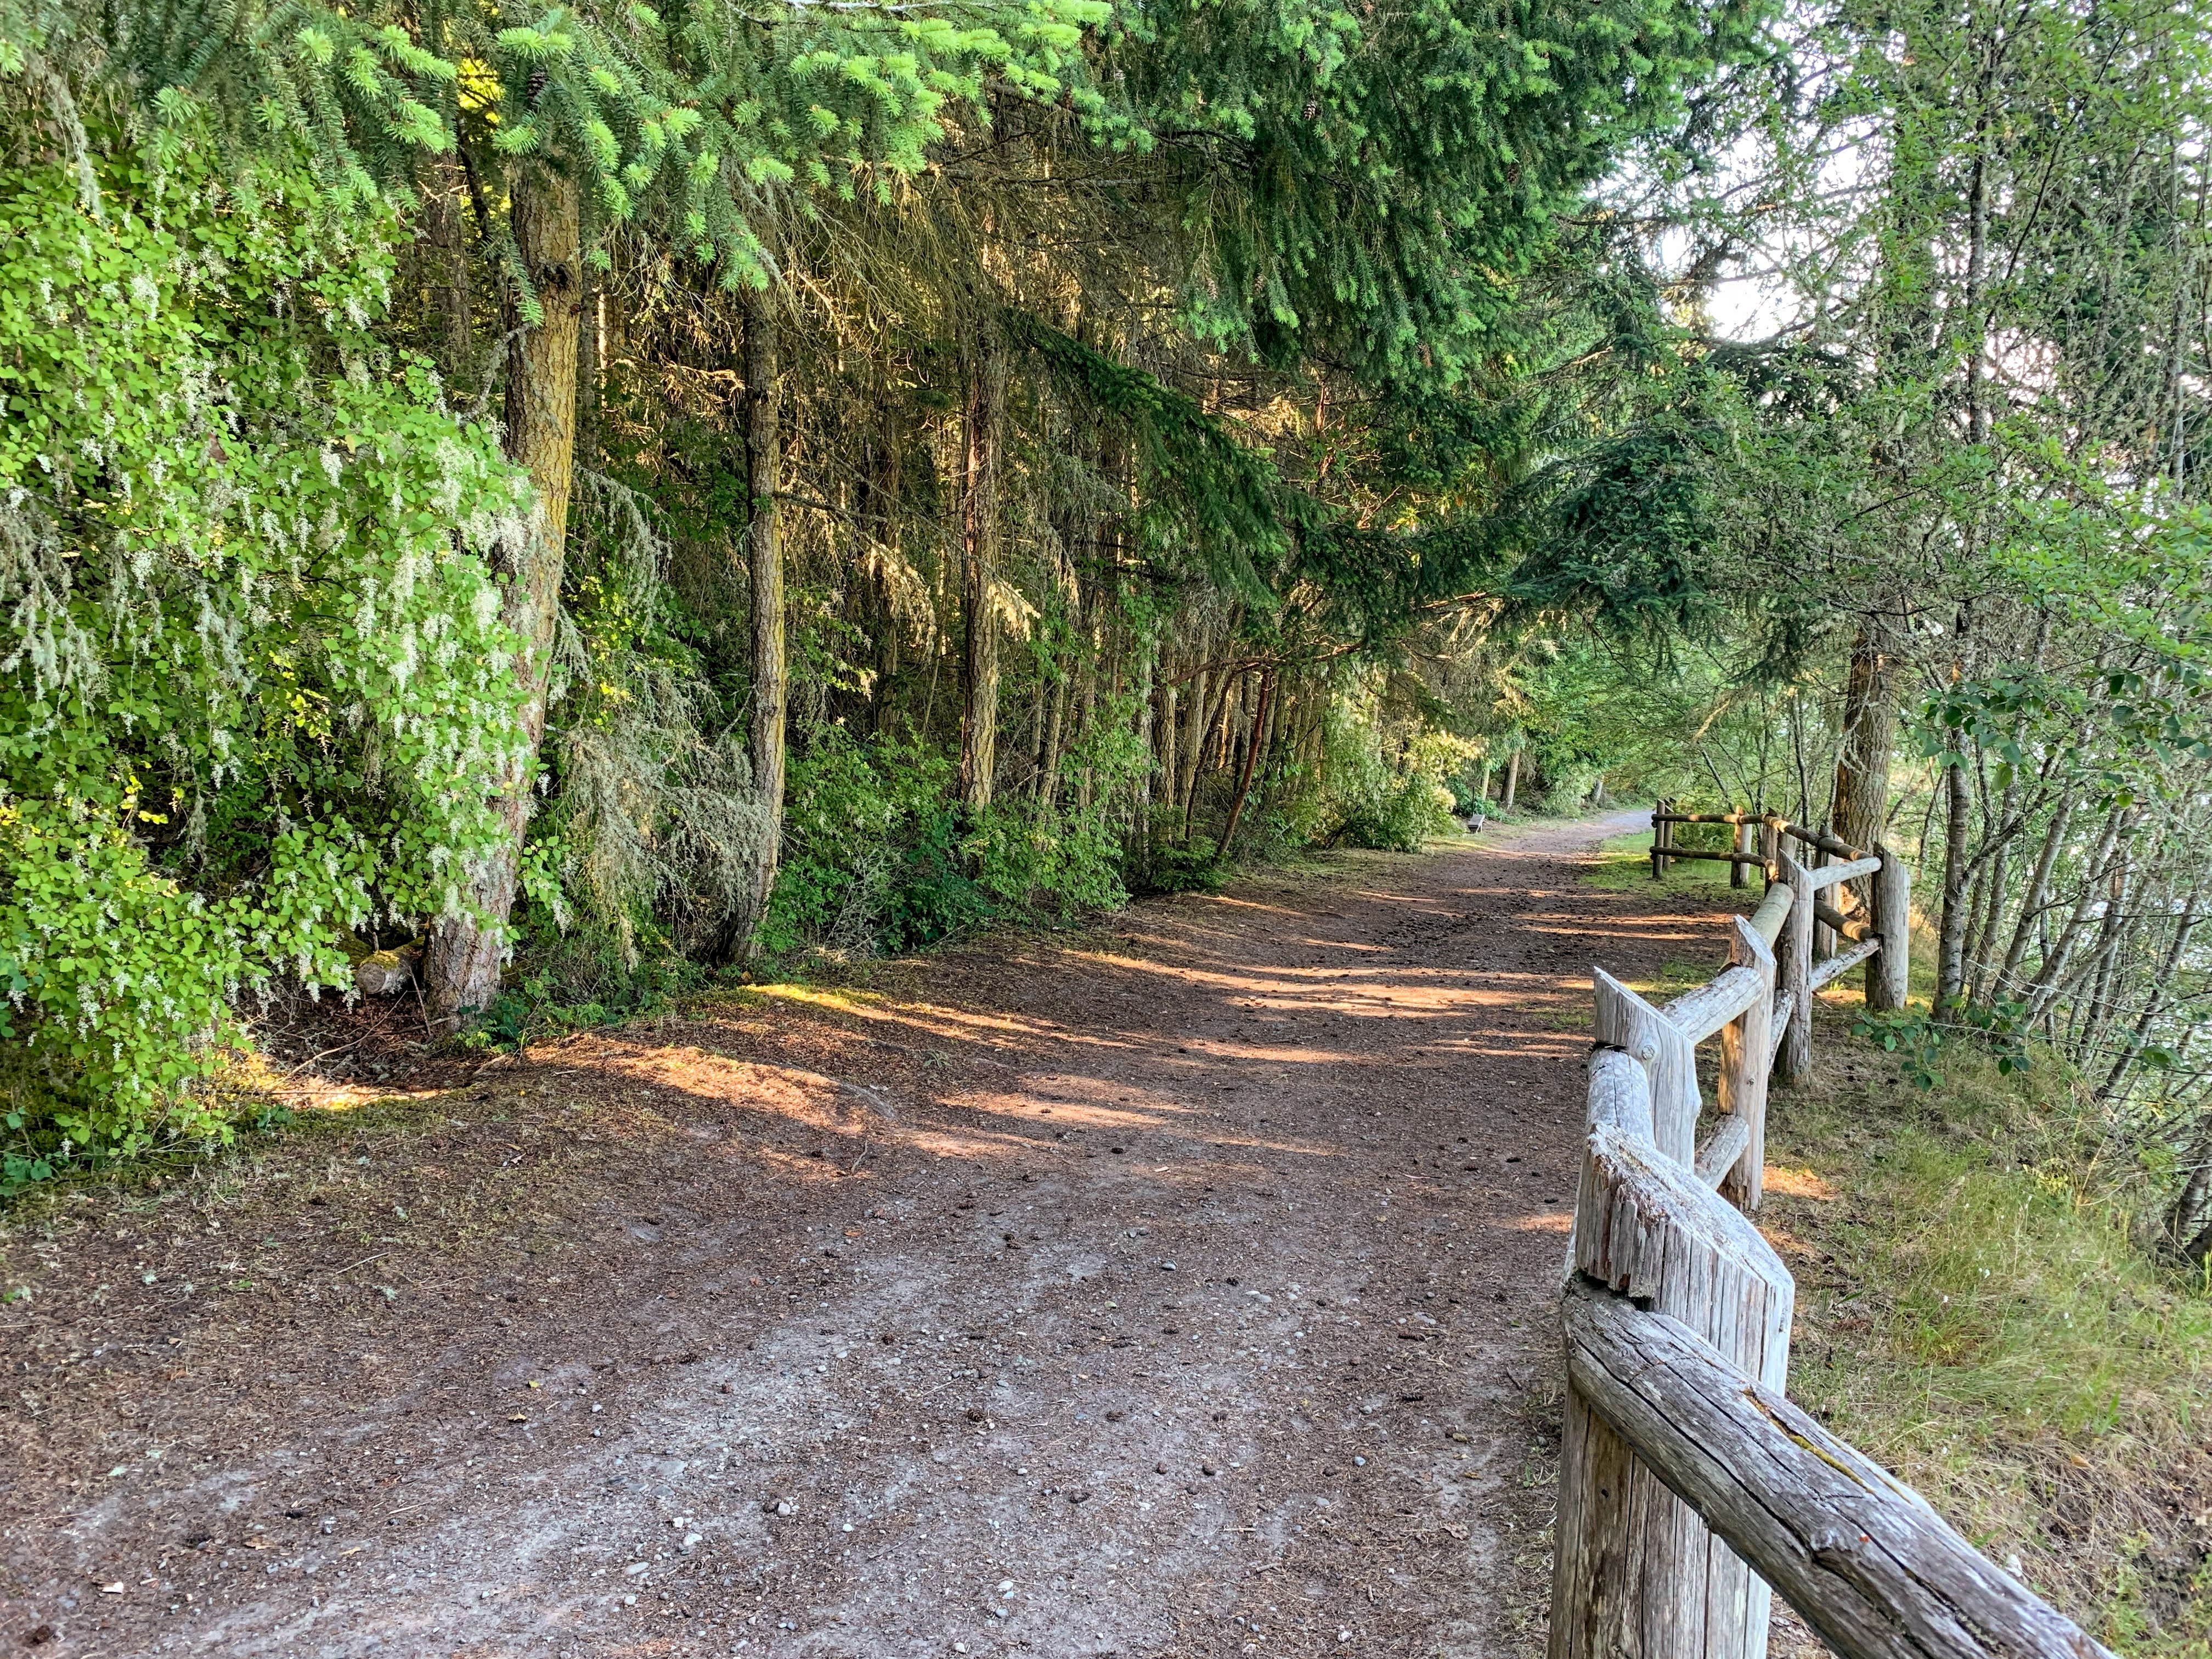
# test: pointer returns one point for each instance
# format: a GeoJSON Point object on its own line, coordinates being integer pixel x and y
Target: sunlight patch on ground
{"type": "Point", "coordinates": [807, 1097]}
{"type": "Point", "coordinates": [927, 1020]}
{"type": "Point", "coordinates": [1519, 1047]}
{"type": "Point", "coordinates": [1786, 1242]}
{"type": "Point", "coordinates": [845, 999]}
{"type": "Point", "coordinates": [1562, 1224]}
{"type": "Point", "coordinates": [1254, 904]}
{"type": "Point", "coordinates": [1799, 1183]}
{"type": "Point", "coordinates": [794, 1166]}
{"type": "Point", "coordinates": [1077, 1116]}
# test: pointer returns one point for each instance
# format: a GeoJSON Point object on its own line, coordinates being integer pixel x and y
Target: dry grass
{"type": "Point", "coordinates": [1978, 1310]}
{"type": "Point", "coordinates": [1980, 1307]}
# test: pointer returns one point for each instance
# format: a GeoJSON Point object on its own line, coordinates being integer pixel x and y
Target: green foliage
{"type": "Point", "coordinates": [654, 817]}
{"type": "Point", "coordinates": [256, 679]}
{"type": "Point", "coordinates": [118, 976]}
{"type": "Point", "coordinates": [1169, 868]}
{"type": "Point", "coordinates": [878, 857]}
{"type": "Point", "coordinates": [1620, 532]}
{"type": "Point", "coordinates": [1918, 1038]}
{"type": "Point", "coordinates": [1057, 858]}
{"type": "Point", "coordinates": [579, 978]}
{"type": "Point", "coordinates": [1037, 856]}
{"type": "Point", "coordinates": [353, 97]}
{"type": "Point", "coordinates": [1202, 489]}
{"type": "Point", "coordinates": [691, 120]}
{"type": "Point", "coordinates": [688, 121]}
{"type": "Point", "coordinates": [872, 858]}
{"type": "Point", "coordinates": [1392, 806]}
{"type": "Point", "coordinates": [1450, 138]}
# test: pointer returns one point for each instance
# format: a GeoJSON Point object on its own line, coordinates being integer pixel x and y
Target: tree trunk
{"type": "Point", "coordinates": [461, 971]}
{"type": "Point", "coordinates": [1251, 759]}
{"type": "Point", "coordinates": [1861, 803]}
{"type": "Point", "coordinates": [2043, 991]}
{"type": "Point", "coordinates": [1194, 729]}
{"type": "Point", "coordinates": [1047, 790]}
{"type": "Point", "coordinates": [2155, 999]}
{"type": "Point", "coordinates": [1512, 780]}
{"type": "Point", "coordinates": [2032, 910]}
{"type": "Point", "coordinates": [771, 687]}
{"type": "Point", "coordinates": [1951, 935]}
{"type": "Point", "coordinates": [1086, 714]}
{"type": "Point", "coordinates": [1859, 809]}
{"type": "Point", "coordinates": [1214, 745]}
{"type": "Point", "coordinates": [979, 562]}
{"type": "Point", "coordinates": [444, 219]}
{"type": "Point", "coordinates": [2189, 1222]}
{"type": "Point", "coordinates": [1171, 778]}
{"type": "Point", "coordinates": [1982, 947]}
{"type": "Point", "coordinates": [1978, 898]}
{"type": "Point", "coordinates": [2111, 933]}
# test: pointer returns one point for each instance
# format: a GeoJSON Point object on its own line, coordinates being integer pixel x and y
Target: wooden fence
{"type": "Point", "coordinates": [1690, 1488]}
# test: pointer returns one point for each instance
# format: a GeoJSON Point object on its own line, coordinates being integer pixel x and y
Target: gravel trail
{"type": "Point", "coordinates": [1178, 1288]}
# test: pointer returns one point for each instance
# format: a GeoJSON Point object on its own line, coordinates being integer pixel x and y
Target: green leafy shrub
{"type": "Point", "coordinates": [1919, 1038]}
{"type": "Point", "coordinates": [872, 855]}
{"type": "Point", "coordinates": [582, 977]}
{"type": "Point", "coordinates": [1056, 857]}
{"type": "Point", "coordinates": [255, 688]}
{"type": "Point", "coordinates": [876, 855]}
{"type": "Point", "coordinates": [1391, 807]}
{"type": "Point", "coordinates": [1570, 786]}
{"type": "Point", "coordinates": [1174, 869]}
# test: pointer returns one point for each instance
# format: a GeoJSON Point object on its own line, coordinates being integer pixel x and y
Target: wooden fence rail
{"type": "Point", "coordinates": [1690, 1489]}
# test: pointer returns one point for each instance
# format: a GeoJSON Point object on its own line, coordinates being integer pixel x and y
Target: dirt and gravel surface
{"type": "Point", "coordinates": [1177, 1288]}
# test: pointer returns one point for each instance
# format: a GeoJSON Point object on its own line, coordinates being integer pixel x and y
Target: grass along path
{"type": "Point", "coordinates": [1181, 1288]}
{"type": "Point", "coordinates": [1980, 1307]}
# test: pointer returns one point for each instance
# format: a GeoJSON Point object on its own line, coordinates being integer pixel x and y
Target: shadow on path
{"type": "Point", "coordinates": [1180, 1288]}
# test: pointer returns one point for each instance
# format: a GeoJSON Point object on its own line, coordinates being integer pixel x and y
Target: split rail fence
{"type": "Point", "coordinates": [1690, 1488]}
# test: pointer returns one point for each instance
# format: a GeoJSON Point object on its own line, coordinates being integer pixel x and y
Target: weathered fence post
{"type": "Point", "coordinates": [1739, 874]}
{"type": "Point", "coordinates": [1626, 1021]}
{"type": "Point", "coordinates": [1770, 841]}
{"type": "Point", "coordinates": [1680, 1448]}
{"type": "Point", "coordinates": [1824, 937]}
{"type": "Point", "coordinates": [1794, 959]}
{"type": "Point", "coordinates": [1638, 1572]}
{"type": "Point", "coordinates": [1746, 1055]}
{"type": "Point", "coordinates": [1889, 974]}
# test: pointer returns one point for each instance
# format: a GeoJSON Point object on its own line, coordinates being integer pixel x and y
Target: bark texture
{"type": "Point", "coordinates": [1874, 1570]}
{"type": "Point", "coordinates": [979, 549]}
{"type": "Point", "coordinates": [771, 686]}
{"type": "Point", "coordinates": [1861, 796]}
{"type": "Point", "coordinates": [462, 970]}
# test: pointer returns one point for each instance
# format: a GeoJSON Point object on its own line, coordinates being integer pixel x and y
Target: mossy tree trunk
{"type": "Point", "coordinates": [461, 973]}
{"type": "Point", "coordinates": [979, 561]}
{"type": "Point", "coordinates": [771, 679]}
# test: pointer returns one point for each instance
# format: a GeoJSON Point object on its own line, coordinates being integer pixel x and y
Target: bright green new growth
{"type": "Point", "coordinates": [256, 673]}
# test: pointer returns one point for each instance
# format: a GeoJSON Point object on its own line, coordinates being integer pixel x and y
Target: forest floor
{"type": "Point", "coordinates": [1182, 1286]}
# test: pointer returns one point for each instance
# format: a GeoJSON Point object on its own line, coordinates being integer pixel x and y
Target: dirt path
{"type": "Point", "coordinates": [1181, 1289]}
